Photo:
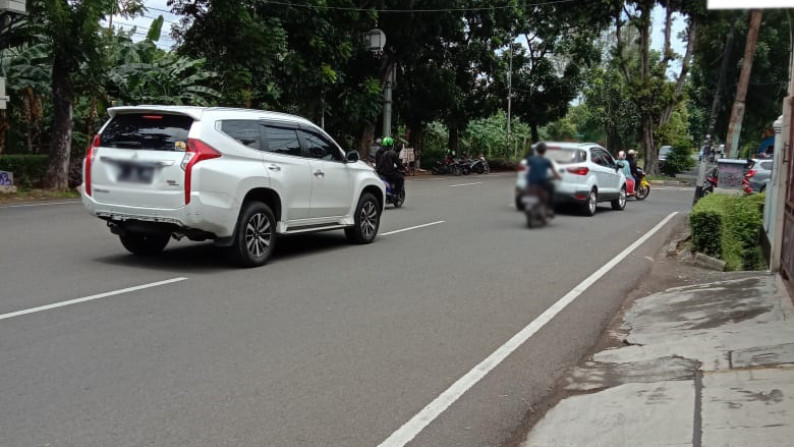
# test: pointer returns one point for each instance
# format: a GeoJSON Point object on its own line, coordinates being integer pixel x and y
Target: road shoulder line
{"type": "Point", "coordinates": [428, 414]}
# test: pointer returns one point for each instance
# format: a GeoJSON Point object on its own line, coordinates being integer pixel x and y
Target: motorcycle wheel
{"type": "Point", "coordinates": [400, 199]}
{"type": "Point", "coordinates": [642, 193]}
{"type": "Point", "coordinates": [479, 170]}
{"type": "Point", "coordinates": [466, 171]}
{"type": "Point", "coordinates": [486, 169]}
{"type": "Point", "coordinates": [457, 171]}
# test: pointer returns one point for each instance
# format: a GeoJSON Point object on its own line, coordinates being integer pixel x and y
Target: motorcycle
{"type": "Point", "coordinates": [396, 198]}
{"type": "Point", "coordinates": [642, 188]}
{"type": "Point", "coordinates": [536, 207]}
{"type": "Point", "coordinates": [480, 166]}
{"type": "Point", "coordinates": [464, 166]}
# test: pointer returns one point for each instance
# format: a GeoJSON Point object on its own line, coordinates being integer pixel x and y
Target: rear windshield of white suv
{"type": "Point", "coordinates": [147, 131]}
{"type": "Point", "coordinates": [566, 156]}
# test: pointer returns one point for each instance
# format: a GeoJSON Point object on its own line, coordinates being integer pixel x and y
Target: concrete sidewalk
{"type": "Point", "coordinates": [702, 365]}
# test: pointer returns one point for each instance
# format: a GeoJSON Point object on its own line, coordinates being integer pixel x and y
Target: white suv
{"type": "Point", "coordinates": [589, 176]}
{"type": "Point", "coordinates": [238, 177]}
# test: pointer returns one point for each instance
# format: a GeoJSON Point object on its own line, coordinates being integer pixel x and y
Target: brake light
{"type": "Point", "coordinates": [582, 170]}
{"type": "Point", "coordinates": [197, 151]}
{"type": "Point", "coordinates": [751, 173]}
{"type": "Point", "coordinates": [90, 153]}
{"type": "Point", "coordinates": [522, 168]}
{"type": "Point", "coordinates": [152, 117]}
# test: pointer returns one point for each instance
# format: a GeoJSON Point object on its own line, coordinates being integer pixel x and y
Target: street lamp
{"type": "Point", "coordinates": [375, 40]}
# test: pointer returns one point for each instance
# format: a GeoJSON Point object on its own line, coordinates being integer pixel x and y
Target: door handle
{"type": "Point", "coordinates": [274, 167]}
{"type": "Point", "coordinates": [319, 173]}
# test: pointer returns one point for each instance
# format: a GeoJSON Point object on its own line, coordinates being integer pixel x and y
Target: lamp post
{"type": "Point", "coordinates": [375, 40]}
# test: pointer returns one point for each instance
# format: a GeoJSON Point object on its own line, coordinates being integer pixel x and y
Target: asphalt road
{"type": "Point", "coordinates": [328, 345]}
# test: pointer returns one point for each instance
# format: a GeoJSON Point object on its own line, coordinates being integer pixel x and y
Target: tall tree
{"type": "Point", "coordinates": [72, 28]}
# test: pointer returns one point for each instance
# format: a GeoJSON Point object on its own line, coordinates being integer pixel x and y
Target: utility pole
{"type": "Point", "coordinates": [509, 96]}
{"type": "Point", "coordinates": [707, 153]}
{"type": "Point", "coordinates": [737, 114]}
{"type": "Point", "coordinates": [387, 101]}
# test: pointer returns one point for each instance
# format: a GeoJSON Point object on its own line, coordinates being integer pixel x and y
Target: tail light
{"type": "Point", "coordinates": [522, 168]}
{"type": "Point", "coordinates": [751, 173]}
{"type": "Point", "coordinates": [582, 170]}
{"type": "Point", "coordinates": [197, 151]}
{"type": "Point", "coordinates": [90, 153]}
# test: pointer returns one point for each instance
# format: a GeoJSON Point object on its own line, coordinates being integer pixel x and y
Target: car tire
{"type": "Point", "coordinates": [762, 190]}
{"type": "Point", "coordinates": [367, 220]}
{"type": "Point", "coordinates": [145, 244]}
{"type": "Point", "coordinates": [619, 204]}
{"type": "Point", "coordinates": [255, 235]}
{"type": "Point", "coordinates": [591, 204]}
{"type": "Point", "coordinates": [519, 203]}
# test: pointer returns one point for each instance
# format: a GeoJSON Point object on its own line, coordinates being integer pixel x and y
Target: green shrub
{"type": "Point", "coordinates": [678, 160]}
{"type": "Point", "coordinates": [28, 169]}
{"type": "Point", "coordinates": [729, 227]}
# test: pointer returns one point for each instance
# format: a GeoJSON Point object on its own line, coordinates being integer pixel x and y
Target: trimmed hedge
{"type": "Point", "coordinates": [729, 227]}
{"type": "Point", "coordinates": [678, 160]}
{"type": "Point", "coordinates": [28, 169]}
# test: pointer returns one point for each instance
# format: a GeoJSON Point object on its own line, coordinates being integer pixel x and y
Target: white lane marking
{"type": "Point", "coordinates": [88, 298]}
{"type": "Point", "coordinates": [26, 205]}
{"type": "Point", "coordinates": [466, 184]}
{"type": "Point", "coordinates": [416, 424]}
{"type": "Point", "coordinates": [413, 228]}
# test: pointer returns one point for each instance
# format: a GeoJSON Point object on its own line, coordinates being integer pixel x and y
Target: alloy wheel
{"type": "Point", "coordinates": [258, 236]}
{"type": "Point", "coordinates": [369, 220]}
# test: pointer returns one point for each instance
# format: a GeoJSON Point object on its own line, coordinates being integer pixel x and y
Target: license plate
{"type": "Point", "coordinates": [136, 174]}
{"type": "Point", "coordinates": [530, 200]}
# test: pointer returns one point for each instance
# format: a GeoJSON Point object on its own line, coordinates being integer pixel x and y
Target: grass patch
{"type": "Point", "coordinates": [32, 195]}
{"type": "Point", "coordinates": [660, 177]}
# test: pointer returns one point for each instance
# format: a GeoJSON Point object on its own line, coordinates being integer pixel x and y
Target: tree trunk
{"type": "Point", "coordinates": [679, 87]}
{"type": "Point", "coordinates": [57, 177]}
{"type": "Point", "coordinates": [453, 141]}
{"type": "Point", "coordinates": [367, 138]}
{"type": "Point", "coordinates": [651, 167]}
{"type": "Point", "coordinates": [417, 141]}
{"type": "Point", "coordinates": [533, 126]}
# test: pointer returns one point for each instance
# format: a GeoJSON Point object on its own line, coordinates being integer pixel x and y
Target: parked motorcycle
{"type": "Point", "coordinates": [480, 166]}
{"type": "Point", "coordinates": [396, 198]}
{"type": "Point", "coordinates": [536, 207]}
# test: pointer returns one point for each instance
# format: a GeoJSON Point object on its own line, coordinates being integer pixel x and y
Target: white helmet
{"type": "Point", "coordinates": [621, 155]}
{"type": "Point", "coordinates": [632, 152]}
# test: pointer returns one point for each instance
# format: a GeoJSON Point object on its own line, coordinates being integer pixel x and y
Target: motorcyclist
{"type": "Point", "coordinates": [389, 165]}
{"type": "Point", "coordinates": [633, 163]}
{"type": "Point", "coordinates": [630, 180]}
{"type": "Point", "coordinates": [538, 175]}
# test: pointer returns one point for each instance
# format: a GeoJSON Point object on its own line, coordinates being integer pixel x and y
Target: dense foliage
{"type": "Point", "coordinates": [575, 70]}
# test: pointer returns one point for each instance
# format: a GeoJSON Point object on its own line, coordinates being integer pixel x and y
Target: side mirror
{"type": "Point", "coordinates": [352, 157]}
{"type": "Point", "coordinates": [621, 164]}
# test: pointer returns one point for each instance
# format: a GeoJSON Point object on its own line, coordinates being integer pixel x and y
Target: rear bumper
{"type": "Point", "coordinates": [196, 216]}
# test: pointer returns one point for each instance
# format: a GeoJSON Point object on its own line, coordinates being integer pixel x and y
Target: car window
{"type": "Point", "coordinates": [319, 147]}
{"type": "Point", "coordinates": [595, 156]}
{"type": "Point", "coordinates": [246, 132]}
{"type": "Point", "coordinates": [147, 131]}
{"type": "Point", "coordinates": [566, 156]}
{"type": "Point", "coordinates": [282, 140]}
{"type": "Point", "coordinates": [607, 157]}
